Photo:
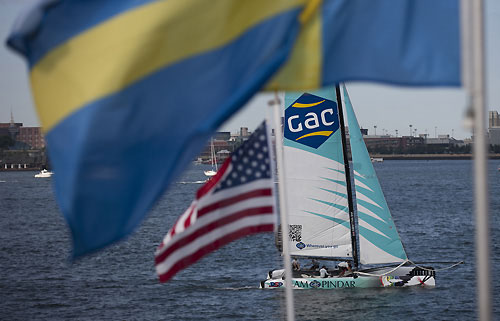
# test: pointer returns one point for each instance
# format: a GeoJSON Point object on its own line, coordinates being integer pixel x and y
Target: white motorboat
{"type": "Point", "coordinates": [44, 173]}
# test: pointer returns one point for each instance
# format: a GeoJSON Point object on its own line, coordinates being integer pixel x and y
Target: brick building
{"type": "Point", "coordinates": [27, 137]}
{"type": "Point", "coordinates": [31, 136]}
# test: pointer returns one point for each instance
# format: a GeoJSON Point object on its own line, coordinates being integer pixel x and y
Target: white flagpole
{"type": "Point", "coordinates": [290, 310]}
{"type": "Point", "coordinates": [475, 83]}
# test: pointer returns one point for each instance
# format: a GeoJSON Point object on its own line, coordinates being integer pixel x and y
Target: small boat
{"type": "Point", "coordinates": [44, 173]}
{"type": "Point", "coordinates": [213, 161]}
{"type": "Point", "coordinates": [377, 159]}
{"type": "Point", "coordinates": [325, 221]}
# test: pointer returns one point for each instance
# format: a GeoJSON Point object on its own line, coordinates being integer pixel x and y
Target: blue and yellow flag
{"type": "Point", "coordinates": [129, 91]}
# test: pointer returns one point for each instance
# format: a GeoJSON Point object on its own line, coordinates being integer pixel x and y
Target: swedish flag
{"type": "Point", "coordinates": [128, 91]}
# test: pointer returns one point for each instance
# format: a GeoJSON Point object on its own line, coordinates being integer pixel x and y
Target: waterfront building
{"type": "Point", "coordinates": [225, 136]}
{"type": "Point", "coordinates": [493, 119]}
{"type": "Point", "coordinates": [444, 140]}
{"type": "Point", "coordinates": [494, 135]}
{"type": "Point", "coordinates": [383, 142]}
{"type": "Point", "coordinates": [31, 136]}
{"type": "Point", "coordinates": [24, 137]}
{"type": "Point", "coordinates": [494, 127]}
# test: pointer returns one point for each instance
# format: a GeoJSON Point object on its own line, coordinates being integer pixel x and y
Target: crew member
{"type": "Point", "coordinates": [323, 273]}
{"type": "Point", "coordinates": [314, 264]}
{"type": "Point", "coordinates": [344, 267]}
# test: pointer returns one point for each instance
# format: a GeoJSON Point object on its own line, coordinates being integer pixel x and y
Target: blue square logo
{"type": "Point", "coordinates": [310, 120]}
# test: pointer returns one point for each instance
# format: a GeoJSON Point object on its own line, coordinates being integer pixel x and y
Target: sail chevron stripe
{"type": "Point", "coordinates": [343, 183]}
{"type": "Point", "coordinates": [334, 192]}
{"type": "Point", "coordinates": [371, 228]}
{"type": "Point", "coordinates": [344, 223]}
{"type": "Point", "coordinates": [361, 184]}
{"type": "Point", "coordinates": [338, 206]}
{"type": "Point", "coordinates": [391, 246]}
{"type": "Point", "coordinates": [358, 174]}
{"type": "Point", "coordinates": [336, 170]}
{"type": "Point", "coordinates": [373, 212]}
{"type": "Point", "coordinates": [387, 230]}
{"type": "Point", "coordinates": [362, 197]}
{"type": "Point", "coordinates": [365, 191]}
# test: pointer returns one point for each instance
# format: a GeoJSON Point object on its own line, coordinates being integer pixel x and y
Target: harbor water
{"type": "Point", "coordinates": [431, 204]}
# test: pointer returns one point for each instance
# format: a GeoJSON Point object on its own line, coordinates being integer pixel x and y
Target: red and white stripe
{"type": "Point", "coordinates": [213, 220]}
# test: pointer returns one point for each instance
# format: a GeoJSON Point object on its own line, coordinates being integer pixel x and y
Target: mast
{"type": "Point", "coordinates": [354, 242]}
{"type": "Point", "coordinates": [212, 155]}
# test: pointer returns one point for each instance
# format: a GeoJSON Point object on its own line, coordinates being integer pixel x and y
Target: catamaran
{"type": "Point", "coordinates": [325, 221]}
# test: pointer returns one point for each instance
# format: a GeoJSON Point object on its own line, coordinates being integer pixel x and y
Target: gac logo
{"type": "Point", "coordinates": [315, 284]}
{"type": "Point", "coordinates": [310, 120]}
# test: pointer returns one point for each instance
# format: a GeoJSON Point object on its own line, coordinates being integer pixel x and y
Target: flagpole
{"type": "Point", "coordinates": [290, 311]}
{"type": "Point", "coordinates": [477, 96]}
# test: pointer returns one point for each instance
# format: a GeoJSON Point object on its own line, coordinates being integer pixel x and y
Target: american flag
{"type": "Point", "coordinates": [236, 202]}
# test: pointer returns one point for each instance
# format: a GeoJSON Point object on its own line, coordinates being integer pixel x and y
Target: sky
{"type": "Point", "coordinates": [432, 111]}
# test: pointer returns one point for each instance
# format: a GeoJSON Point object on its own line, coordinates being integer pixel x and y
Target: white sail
{"type": "Point", "coordinates": [316, 185]}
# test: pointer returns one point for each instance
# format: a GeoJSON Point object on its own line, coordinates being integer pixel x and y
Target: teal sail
{"type": "Point", "coordinates": [379, 240]}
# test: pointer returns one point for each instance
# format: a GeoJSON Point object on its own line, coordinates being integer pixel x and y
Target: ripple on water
{"type": "Point", "coordinates": [431, 202]}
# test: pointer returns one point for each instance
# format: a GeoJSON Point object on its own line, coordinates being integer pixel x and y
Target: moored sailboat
{"type": "Point", "coordinates": [213, 161]}
{"type": "Point", "coordinates": [325, 221]}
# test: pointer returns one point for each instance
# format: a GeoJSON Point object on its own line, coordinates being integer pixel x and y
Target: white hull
{"type": "Point", "coordinates": [210, 173]}
{"type": "Point", "coordinates": [402, 277]}
{"type": "Point", "coordinates": [43, 174]}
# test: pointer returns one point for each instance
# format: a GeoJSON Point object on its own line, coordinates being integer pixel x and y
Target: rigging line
{"type": "Point", "coordinates": [437, 262]}
{"type": "Point", "coordinates": [442, 269]}
{"type": "Point", "coordinates": [409, 261]}
{"type": "Point", "coordinates": [372, 274]}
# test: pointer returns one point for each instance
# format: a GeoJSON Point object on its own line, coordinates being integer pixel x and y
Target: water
{"type": "Point", "coordinates": [432, 206]}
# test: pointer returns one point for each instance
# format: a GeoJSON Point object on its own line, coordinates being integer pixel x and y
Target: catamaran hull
{"type": "Point", "coordinates": [381, 278]}
{"type": "Point", "coordinates": [350, 282]}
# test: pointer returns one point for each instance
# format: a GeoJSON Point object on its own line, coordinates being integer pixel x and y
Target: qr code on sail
{"type": "Point", "coordinates": [295, 233]}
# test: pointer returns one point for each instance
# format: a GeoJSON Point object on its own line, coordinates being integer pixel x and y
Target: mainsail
{"type": "Point", "coordinates": [315, 178]}
{"type": "Point", "coordinates": [379, 240]}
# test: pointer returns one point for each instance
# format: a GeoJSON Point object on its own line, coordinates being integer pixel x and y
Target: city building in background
{"type": "Point", "coordinates": [24, 147]}
{"type": "Point", "coordinates": [31, 136]}
{"type": "Point", "coordinates": [224, 144]}
{"type": "Point", "coordinates": [21, 148]}
{"type": "Point", "coordinates": [494, 127]}
{"type": "Point", "coordinates": [23, 137]}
